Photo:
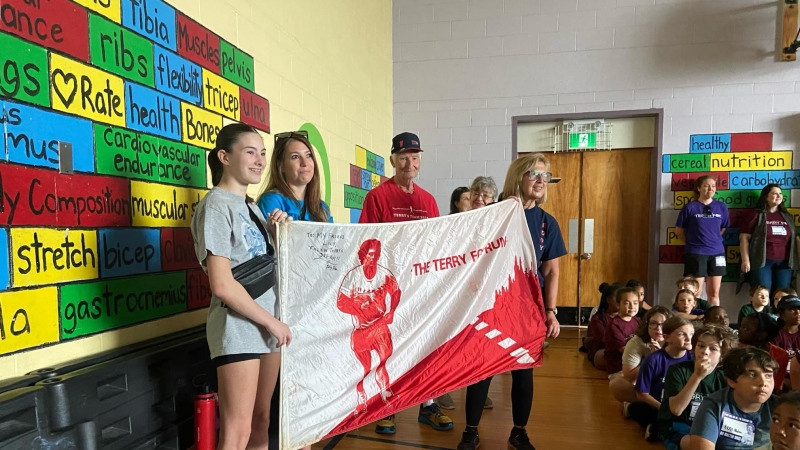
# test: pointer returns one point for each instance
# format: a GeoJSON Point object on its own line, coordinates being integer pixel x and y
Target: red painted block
{"type": "Point", "coordinates": [751, 142]}
{"type": "Point", "coordinates": [740, 217]}
{"type": "Point", "coordinates": [58, 24]}
{"type": "Point", "coordinates": [177, 249]}
{"type": "Point", "coordinates": [255, 109]}
{"type": "Point", "coordinates": [670, 254]}
{"type": "Point", "coordinates": [197, 44]}
{"type": "Point", "coordinates": [45, 197]}
{"type": "Point", "coordinates": [198, 289]}
{"type": "Point", "coordinates": [355, 176]}
{"type": "Point", "coordinates": [685, 181]}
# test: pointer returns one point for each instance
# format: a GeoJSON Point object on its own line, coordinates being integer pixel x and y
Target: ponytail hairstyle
{"type": "Point", "coordinates": [276, 182]}
{"type": "Point", "coordinates": [606, 291]}
{"type": "Point", "coordinates": [226, 138]}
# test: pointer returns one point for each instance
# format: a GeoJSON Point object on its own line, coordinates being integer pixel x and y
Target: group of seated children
{"type": "Point", "coordinates": [685, 376]}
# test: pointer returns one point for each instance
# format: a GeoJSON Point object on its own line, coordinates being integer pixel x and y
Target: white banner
{"type": "Point", "coordinates": [386, 316]}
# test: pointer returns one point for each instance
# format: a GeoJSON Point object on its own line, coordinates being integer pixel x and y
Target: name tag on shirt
{"type": "Point", "coordinates": [738, 429]}
{"type": "Point", "coordinates": [720, 261]}
{"type": "Point", "coordinates": [693, 411]}
{"type": "Point", "coordinates": [778, 230]}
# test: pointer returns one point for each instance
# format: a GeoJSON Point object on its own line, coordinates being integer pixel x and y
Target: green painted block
{"type": "Point", "coordinates": [120, 51]}
{"type": "Point", "coordinates": [689, 162]}
{"type": "Point", "coordinates": [354, 197]}
{"type": "Point", "coordinates": [126, 153]}
{"type": "Point", "coordinates": [372, 160]}
{"type": "Point", "coordinates": [236, 65]}
{"type": "Point", "coordinates": [731, 273]}
{"type": "Point", "coordinates": [88, 308]}
{"type": "Point", "coordinates": [25, 74]}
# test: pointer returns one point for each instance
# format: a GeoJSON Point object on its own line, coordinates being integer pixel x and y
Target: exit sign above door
{"type": "Point", "coordinates": [583, 140]}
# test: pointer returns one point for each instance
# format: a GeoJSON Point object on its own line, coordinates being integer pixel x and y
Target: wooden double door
{"type": "Point", "coordinates": [602, 205]}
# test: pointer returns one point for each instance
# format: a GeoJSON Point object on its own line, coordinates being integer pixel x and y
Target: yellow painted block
{"type": "Point", "coordinates": [732, 254]}
{"type": "Point", "coordinates": [159, 205]}
{"type": "Point", "coordinates": [45, 256]}
{"type": "Point", "coordinates": [199, 126]}
{"type": "Point", "coordinates": [109, 8]}
{"type": "Point", "coordinates": [682, 198]}
{"type": "Point", "coordinates": [86, 91]}
{"type": "Point", "coordinates": [723, 162]}
{"type": "Point", "coordinates": [28, 318]}
{"type": "Point", "coordinates": [376, 180]}
{"type": "Point", "coordinates": [220, 95]}
{"type": "Point", "coordinates": [361, 157]}
{"type": "Point", "coordinates": [795, 212]}
{"type": "Point", "coordinates": [672, 237]}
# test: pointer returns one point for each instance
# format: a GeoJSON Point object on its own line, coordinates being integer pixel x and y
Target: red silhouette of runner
{"type": "Point", "coordinates": [370, 294]}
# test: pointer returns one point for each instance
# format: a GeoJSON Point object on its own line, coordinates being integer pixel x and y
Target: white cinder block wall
{"type": "Point", "coordinates": [463, 68]}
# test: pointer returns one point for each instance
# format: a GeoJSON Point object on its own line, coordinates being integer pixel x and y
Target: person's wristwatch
{"type": "Point", "coordinates": [553, 310]}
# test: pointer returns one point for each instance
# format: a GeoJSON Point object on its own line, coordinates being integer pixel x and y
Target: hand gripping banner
{"type": "Point", "coordinates": [386, 316]}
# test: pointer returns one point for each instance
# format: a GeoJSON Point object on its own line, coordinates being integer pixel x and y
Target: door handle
{"type": "Point", "coordinates": [588, 237]}
{"type": "Point", "coordinates": [572, 236]}
{"type": "Point", "coordinates": [586, 256]}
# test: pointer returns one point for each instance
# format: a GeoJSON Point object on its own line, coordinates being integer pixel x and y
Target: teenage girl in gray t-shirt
{"type": "Point", "coordinates": [243, 333]}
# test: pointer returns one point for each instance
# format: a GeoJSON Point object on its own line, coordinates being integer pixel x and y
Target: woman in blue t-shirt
{"type": "Point", "coordinates": [701, 224]}
{"type": "Point", "coordinates": [293, 181]}
{"type": "Point", "coordinates": [293, 187]}
{"type": "Point", "coordinates": [527, 180]}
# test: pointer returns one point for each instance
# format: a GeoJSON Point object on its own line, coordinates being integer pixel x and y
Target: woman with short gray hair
{"type": "Point", "coordinates": [484, 191]}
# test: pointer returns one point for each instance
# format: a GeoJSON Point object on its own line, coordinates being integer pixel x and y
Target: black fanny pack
{"type": "Point", "coordinates": [257, 275]}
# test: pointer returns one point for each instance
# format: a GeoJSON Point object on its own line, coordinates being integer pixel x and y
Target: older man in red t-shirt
{"type": "Point", "coordinates": [399, 199]}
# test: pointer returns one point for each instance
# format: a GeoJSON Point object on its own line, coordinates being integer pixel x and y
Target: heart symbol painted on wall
{"type": "Point", "coordinates": [68, 78]}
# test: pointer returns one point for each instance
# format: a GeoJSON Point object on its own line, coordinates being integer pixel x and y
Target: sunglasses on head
{"type": "Point", "coordinates": [291, 134]}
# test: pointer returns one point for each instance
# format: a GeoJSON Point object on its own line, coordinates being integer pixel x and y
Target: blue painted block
{"type": "Point", "coordinates": [665, 163]}
{"type": "Point", "coordinates": [710, 143]}
{"type": "Point", "coordinates": [5, 267]}
{"type": "Point", "coordinates": [731, 236]}
{"type": "Point", "coordinates": [129, 251]}
{"type": "Point", "coordinates": [366, 179]}
{"type": "Point", "coordinates": [32, 136]}
{"type": "Point", "coordinates": [153, 19]}
{"type": "Point", "coordinates": [379, 165]}
{"type": "Point", "coordinates": [757, 179]}
{"type": "Point", "coordinates": [152, 112]}
{"type": "Point", "coordinates": [177, 76]}
{"type": "Point", "coordinates": [355, 214]}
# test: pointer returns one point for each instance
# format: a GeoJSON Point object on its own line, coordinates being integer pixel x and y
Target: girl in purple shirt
{"type": "Point", "coordinates": [701, 224]}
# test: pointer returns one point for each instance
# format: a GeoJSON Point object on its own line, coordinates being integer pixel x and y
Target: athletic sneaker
{"type": "Point", "coordinates": [519, 441]}
{"type": "Point", "coordinates": [469, 441]}
{"type": "Point", "coordinates": [385, 425]}
{"type": "Point", "coordinates": [446, 402]}
{"type": "Point", "coordinates": [433, 416]}
{"type": "Point", "coordinates": [651, 433]}
{"type": "Point", "coordinates": [488, 404]}
{"type": "Point", "coordinates": [626, 413]}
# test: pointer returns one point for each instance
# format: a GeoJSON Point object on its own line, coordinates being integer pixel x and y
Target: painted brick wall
{"type": "Point", "coordinates": [321, 65]}
{"type": "Point", "coordinates": [463, 68]}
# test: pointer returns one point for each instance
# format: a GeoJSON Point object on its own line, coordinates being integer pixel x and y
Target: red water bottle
{"type": "Point", "coordinates": [205, 417]}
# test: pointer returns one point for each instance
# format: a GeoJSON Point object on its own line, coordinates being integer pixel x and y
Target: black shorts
{"type": "Point", "coordinates": [704, 265]}
{"type": "Point", "coordinates": [237, 357]}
